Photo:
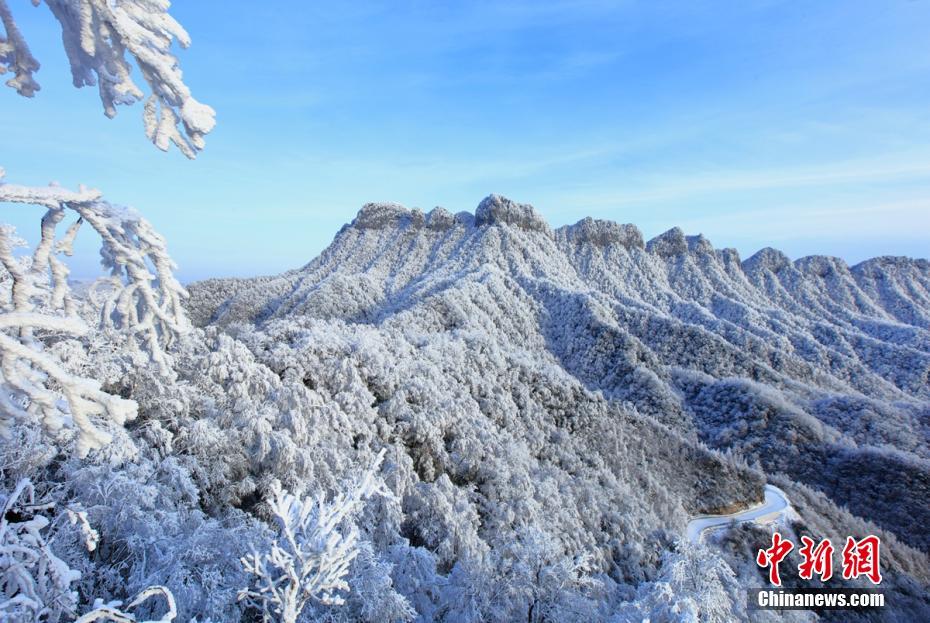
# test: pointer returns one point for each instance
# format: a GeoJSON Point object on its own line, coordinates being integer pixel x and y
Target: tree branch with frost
{"type": "Point", "coordinates": [311, 556]}
{"type": "Point", "coordinates": [113, 611]}
{"type": "Point", "coordinates": [15, 56]}
{"type": "Point", "coordinates": [34, 583]}
{"type": "Point", "coordinates": [143, 303]}
{"type": "Point", "coordinates": [98, 35]}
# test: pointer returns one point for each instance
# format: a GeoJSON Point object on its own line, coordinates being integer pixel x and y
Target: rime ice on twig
{"type": "Point", "coordinates": [15, 56]}
{"type": "Point", "coordinates": [97, 35]}
{"type": "Point", "coordinates": [35, 584]}
{"type": "Point", "coordinates": [311, 557]}
{"type": "Point", "coordinates": [113, 611]}
{"type": "Point", "coordinates": [142, 305]}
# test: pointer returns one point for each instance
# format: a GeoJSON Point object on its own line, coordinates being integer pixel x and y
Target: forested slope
{"type": "Point", "coordinates": [810, 368]}
{"type": "Point", "coordinates": [554, 406]}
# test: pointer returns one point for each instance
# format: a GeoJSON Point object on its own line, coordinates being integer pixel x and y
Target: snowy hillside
{"type": "Point", "coordinates": [812, 358]}
{"type": "Point", "coordinates": [600, 388]}
{"type": "Point", "coordinates": [464, 418]}
{"type": "Point", "coordinates": [458, 418]}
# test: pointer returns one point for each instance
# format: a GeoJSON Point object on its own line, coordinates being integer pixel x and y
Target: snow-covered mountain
{"type": "Point", "coordinates": [599, 389]}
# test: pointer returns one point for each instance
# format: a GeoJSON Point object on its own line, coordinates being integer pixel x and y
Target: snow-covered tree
{"type": "Point", "coordinates": [316, 544]}
{"type": "Point", "coordinates": [35, 584]}
{"type": "Point", "coordinates": [98, 35]}
{"type": "Point", "coordinates": [140, 301]}
{"type": "Point", "coordinates": [374, 598]}
{"type": "Point", "coordinates": [695, 584]}
{"type": "Point", "coordinates": [545, 583]}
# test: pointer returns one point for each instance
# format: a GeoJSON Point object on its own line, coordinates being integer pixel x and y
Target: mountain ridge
{"type": "Point", "coordinates": [603, 389]}
{"type": "Point", "coordinates": [875, 278]}
{"type": "Point", "coordinates": [678, 329]}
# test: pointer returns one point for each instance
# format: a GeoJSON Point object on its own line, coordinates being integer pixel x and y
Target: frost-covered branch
{"type": "Point", "coordinates": [15, 56]}
{"type": "Point", "coordinates": [313, 551]}
{"type": "Point", "coordinates": [142, 302]}
{"type": "Point", "coordinates": [112, 611]}
{"type": "Point", "coordinates": [34, 583]}
{"type": "Point", "coordinates": [27, 372]}
{"type": "Point", "coordinates": [97, 36]}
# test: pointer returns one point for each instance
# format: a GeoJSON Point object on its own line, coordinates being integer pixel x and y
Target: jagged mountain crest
{"type": "Point", "coordinates": [862, 329]}
{"type": "Point", "coordinates": [388, 249]}
{"type": "Point", "coordinates": [504, 328]}
{"type": "Point", "coordinates": [406, 243]}
{"type": "Point", "coordinates": [808, 321]}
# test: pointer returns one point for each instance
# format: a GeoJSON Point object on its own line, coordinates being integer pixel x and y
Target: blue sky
{"type": "Point", "coordinates": [799, 125]}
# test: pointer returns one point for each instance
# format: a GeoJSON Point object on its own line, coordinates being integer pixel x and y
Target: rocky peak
{"type": "Point", "coordinates": [440, 219]}
{"type": "Point", "coordinates": [386, 215]}
{"type": "Point", "coordinates": [603, 233]}
{"type": "Point", "coordinates": [767, 259]}
{"type": "Point", "coordinates": [699, 245]}
{"type": "Point", "coordinates": [497, 210]}
{"type": "Point", "coordinates": [669, 244]}
{"type": "Point", "coordinates": [821, 265]}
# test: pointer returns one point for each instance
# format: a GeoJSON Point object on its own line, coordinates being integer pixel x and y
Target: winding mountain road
{"type": "Point", "coordinates": [773, 508]}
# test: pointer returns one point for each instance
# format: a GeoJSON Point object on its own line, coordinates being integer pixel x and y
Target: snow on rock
{"type": "Point", "coordinates": [669, 244]}
{"type": "Point", "coordinates": [767, 260]}
{"type": "Point", "coordinates": [386, 215]}
{"type": "Point", "coordinates": [495, 209]}
{"type": "Point", "coordinates": [602, 233]}
{"type": "Point", "coordinates": [440, 219]}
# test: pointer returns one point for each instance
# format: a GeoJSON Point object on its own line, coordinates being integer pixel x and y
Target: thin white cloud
{"type": "Point", "coordinates": [656, 189]}
{"type": "Point", "coordinates": [907, 218]}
